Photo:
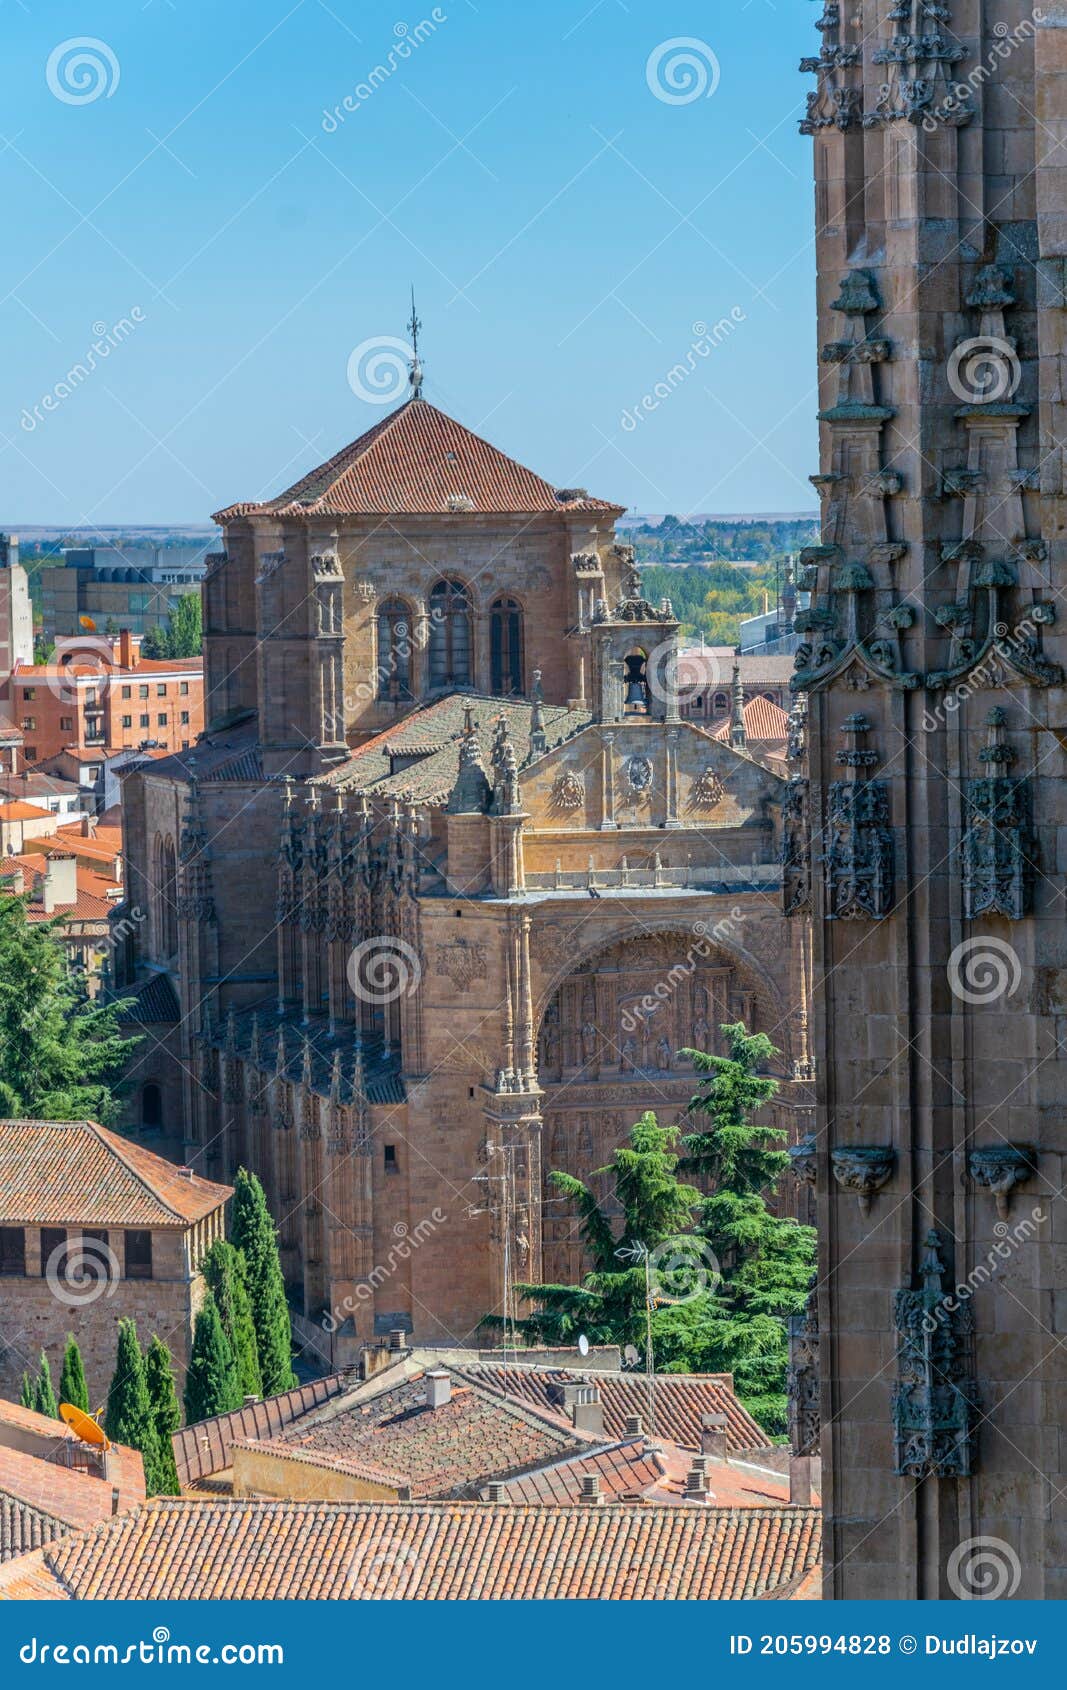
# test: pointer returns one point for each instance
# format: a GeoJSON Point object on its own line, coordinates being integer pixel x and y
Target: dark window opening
{"type": "Point", "coordinates": [54, 1250]}
{"type": "Point", "coordinates": [505, 647]}
{"type": "Point", "coordinates": [138, 1255]}
{"type": "Point", "coordinates": [151, 1106]}
{"type": "Point", "coordinates": [450, 635]}
{"type": "Point", "coordinates": [390, 1158]}
{"type": "Point", "coordinates": [394, 650]}
{"type": "Point", "coordinates": [13, 1251]}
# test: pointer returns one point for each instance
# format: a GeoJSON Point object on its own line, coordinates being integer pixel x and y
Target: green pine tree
{"type": "Point", "coordinates": [653, 1250]}
{"type": "Point", "coordinates": [72, 1384]}
{"type": "Point", "coordinates": [27, 1394]}
{"type": "Point", "coordinates": [44, 1395]}
{"type": "Point", "coordinates": [254, 1234]}
{"type": "Point", "coordinates": [155, 643]}
{"type": "Point", "coordinates": [60, 1056]}
{"type": "Point", "coordinates": [166, 1417]}
{"type": "Point", "coordinates": [766, 1260]}
{"type": "Point", "coordinates": [211, 1382]}
{"type": "Point", "coordinates": [128, 1419]}
{"type": "Point", "coordinates": [226, 1272]}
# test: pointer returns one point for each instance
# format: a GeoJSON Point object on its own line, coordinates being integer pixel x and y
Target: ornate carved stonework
{"type": "Point", "coordinates": [796, 847]}
{"type": "Point", "coordinates": [569, 791]}
{"type": "Point", "coordinates": [935, 1408]}
{"type": "Point", "coordinates": [805, 1415]}
{"type": "Point", "coordinates": [859, 852]}
{"type": "Point", "coordinates": [551, 945]}
{"type": "Point", "coordinates": [708, 790]}
{"type": "Point", "coordinates": [463, 961]}
{"type": "Point", "coordinates": [639, 774]}
{"type": "Point", "coordinates": [998, 844]}
{"type": "Point", "coordinates": [999, 1168]}
{"type": "Point", "coordinates": [804, 1160]}
{"type": "Point", "coordinates": [863, 1168]}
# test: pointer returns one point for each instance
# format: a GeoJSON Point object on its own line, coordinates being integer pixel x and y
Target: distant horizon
{"type": "Point", "coordinates": [49, 530]}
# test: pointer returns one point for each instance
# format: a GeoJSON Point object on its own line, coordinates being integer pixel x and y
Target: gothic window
{"type": "Point", "coordinates": [166, 900]}
{"type": "Point", "coordinates": [394, 650]}
{"type": "Point", "coordinates": [450, 635]}
{"type": "Point", "coordinates": [721, 702]}
{"type": "Point", "coordinates": [505, 647]}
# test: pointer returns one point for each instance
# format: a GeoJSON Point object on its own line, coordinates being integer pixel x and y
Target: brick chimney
{"type": "Point", "coordinates": [696, 1484]}
{"type": "Point", "coordinates": [590, 1492]}
{"type": "Point", "coordinates": [497, 1490]}
{"type": "Point", "coordinates": [398, 1339]}
{"type": "Point", "coordinates": [60, 886]}
{"type": "Point", "coordinates": [438, 1387]}
{"type": "Point", "coordinates": [634, 1426]}
{"type": "Point", "coordinates": [713, 1436]}
{"type": "Point", "coordinates": [128, 653]}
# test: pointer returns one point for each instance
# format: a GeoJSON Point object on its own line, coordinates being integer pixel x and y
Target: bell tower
{"type": "Point", "coordinates": [635, 653]}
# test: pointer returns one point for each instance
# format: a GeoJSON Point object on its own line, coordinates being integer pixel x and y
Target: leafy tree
{"type": "Point", "coordinates": [185, 630]}
{"type": "Point", "coordinates": [60, 1056]}
{"type": "Point", "coordinates": [211, 1382]}
{"type": "Point", "coordinates": [111, 628]}
{"type": "Point", "coordinates": [129, 1419]}
{"type": "Point", "coordinates": [766, 1260]}
{"type": "Point", "coordinates": [254, 1234]}
{"type": "Point", "coordinates": [72, 1384]}
{"type": "Point", "coordinates": [155, 643]}
{"type": "Point", "coordinates": [654, 1250]}
{"type": "Point", "coordinates": [166, 1417]}
{"type": "Point", "coordinates": [44, 1396]}
{"type": "Point", "coordinates": [226, 1271]}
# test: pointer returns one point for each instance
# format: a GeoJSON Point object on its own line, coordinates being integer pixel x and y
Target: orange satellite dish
{"type": "Point", "coordinates": [83, 1425]}
{"type": "Point", "coordinates": [87, 623]}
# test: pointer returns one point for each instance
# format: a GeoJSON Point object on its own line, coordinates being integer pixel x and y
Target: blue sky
{"type": "Point", "coordinates": [564, 225]}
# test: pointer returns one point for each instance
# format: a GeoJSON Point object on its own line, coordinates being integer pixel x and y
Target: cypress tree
{"type": "Point", "coordinates": [166, 1416]}
{"type": "Point", "coordinates": [44, 1396]}
{"type": "Point", "coordinates": [226, 1271]}
{"type": "Point", "coordinates": [27, 1393]}
{"type": "Point", "coordinates": [254, 1234]}
{"type": "Point", "coordinates": [72, 1385]}
{"type": "Point", "coordinates": [211, 1383]}
{"type": "Point", "coordinates": [128, 1419]}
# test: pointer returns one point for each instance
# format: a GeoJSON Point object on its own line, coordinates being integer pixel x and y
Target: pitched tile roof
{"type": "Point", "coordinates": [17, 811]}
{"type": "Point", "coordinates": [153, 1001]}
{"type": "Point", "coordinates": [204, 1448]}
{"type": "Point", "coordinates": [712, 666]}
{"type": "Point", "coordinates": [38, 1494]}
{"type": "Point", "coordinates": [227, 1550]}
{"type": "Point", "coordinates": [765, 723]}
{"type": "Point", "coordinates": [420, 461]}
{"type": "Point", "coordinates": [654, 1470]}
{"type": "Point", "coordinates": [451, 1450]}
{"type": "Point", "coordinates": [681, 1399]}
{"type": "Point", "coordinates": [78, 1173]}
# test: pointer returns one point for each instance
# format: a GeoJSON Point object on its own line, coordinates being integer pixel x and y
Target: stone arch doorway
{"type": "Point", "coordinates": [608, 1051]}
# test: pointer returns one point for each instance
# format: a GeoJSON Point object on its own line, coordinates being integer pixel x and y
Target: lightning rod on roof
{"type": "Point", "coordinates": [415, 373]}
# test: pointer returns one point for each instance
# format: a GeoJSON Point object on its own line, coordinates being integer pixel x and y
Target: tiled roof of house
{"type": "Point", "coordinates": [204, 1448]}
{"type": "Point", "coordinates": [236, 1550]}
{"type": "Point", "coordinates": [15, 810]}
{"type": "Point", "coordinates": [712, 666]}
{"type": "Point", "coordinates": [420, 461]}
{"type": "Point", "coordinates": [47, 1495]}
{"type": "Point", "coordinates": [153, 1001]}
{"type": "Point", "coordinates": [433, 734]}
{"type": "Point", "coordinates": [655, 1471]}
{"type": "Point", "coordinates": [451, 1450]}
{"type": "Point", "coordinates": [765, 723]}
{"type": "Point", "coordinates": [78, 1173]}
{"type": "Point", "coordinates": [681, 1399]}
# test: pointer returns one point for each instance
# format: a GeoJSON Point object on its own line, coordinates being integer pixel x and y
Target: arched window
{"type": "Point", "coordinates": [505, 647]}
{"type": "Point", "coordinates": [394, 650]}
{"type": "Point", "coordinates": [450, 635]}
{"type": "Point", "coordinates": [166, 890]}
{"type": "Point", "coordinates": [721, 702]}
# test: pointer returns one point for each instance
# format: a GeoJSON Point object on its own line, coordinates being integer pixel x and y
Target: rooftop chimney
{"type": "Point", "coordinates": [127, 651]}
{"type": "Point", "coordinates": [587, 1410]}
{"type": "Point", "coordinates": [398, 1339]}
{"type": "Point", "coordinates": [696, 1485]}
{"type": "Point", "coordinates": [497, 1490]}
{"type": "Point", "coordinates": [438, 1387]}
{"type": "Point", "coordinates": [713, 1436]}
{"type": "Point", "coordinates": [591, 1488]}
{"type": "Point", "coordinates": [114, 1499]}
{"type": "Point", "coordinates": [633, 1426]}
{"type": "Point", "coordinates": [60, 886]}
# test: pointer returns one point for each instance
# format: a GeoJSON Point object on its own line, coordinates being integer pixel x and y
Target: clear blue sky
{"type": "Point", "coordinates": [563, 225]}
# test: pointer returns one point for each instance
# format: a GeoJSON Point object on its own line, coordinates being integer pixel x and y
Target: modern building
{"type": "Point", "coordinates": [449, 884]}
{"type": "Point", "coordinates": [16, 612]}
{"type": "Point", "coordinates": [93, 592]}
{"type": "Point", "coordinates": [926, 836]}
{"type": "Point", "coordinates": [92, 1228]}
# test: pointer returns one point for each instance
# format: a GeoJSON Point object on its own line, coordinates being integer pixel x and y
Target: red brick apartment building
{"type": "Point", "coordinates": [106, 700]}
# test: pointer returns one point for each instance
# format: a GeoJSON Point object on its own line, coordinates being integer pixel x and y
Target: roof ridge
{"type": "Point", "coordinates": [112, 1142]}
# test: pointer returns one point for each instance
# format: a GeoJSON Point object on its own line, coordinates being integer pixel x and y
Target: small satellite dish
{"type": "Point", "coordinates": [583, 1345]}
{"type": "Point", "coordinates": [630, 1355]}
{"type": "Point", "coordinates": [83, 1425]}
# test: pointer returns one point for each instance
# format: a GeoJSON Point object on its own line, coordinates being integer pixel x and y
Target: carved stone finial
{"type": "Point", "coordinates": [738, 734]}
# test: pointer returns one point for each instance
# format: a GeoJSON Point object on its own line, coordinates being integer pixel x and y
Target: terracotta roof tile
{"type": "Point", "coordinates": [67, 1496]}
{"type": "Point", "coordinates": [79, 1174]}
{"type": "Point", "coordinates": [765, 723]}
{"type": "Point", "coordinates": [204, 1448]}
{"type": "Point", "coordinates": [228, 1550]}
{"type": "Point", "coordinates": [418, 460]}
{"type": "Point", "coordinates": [681, 1399]}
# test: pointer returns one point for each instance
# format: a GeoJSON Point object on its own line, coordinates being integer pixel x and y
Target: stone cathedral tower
{"type": "Point", "coordinates": [928, 827]}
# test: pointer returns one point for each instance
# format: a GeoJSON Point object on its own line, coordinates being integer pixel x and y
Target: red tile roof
{"type": "Point", "coordinates": [230, 1550]}
{"type": "Point", "coordinates": [681, 1399]}
{"type": "Point", "coordinates": [67, 1496]}
{"type": "Point", "coordinates": [17, 811]}
{"type": "Point", "coordinates": [416, 461]}
{"type": "Point", "coordinates": [76, 1173]}
{"type": "Point", "coordinates": [451, 1450]}
{"type": "Point", "coordinates": [204, 1448]}
{"type": "Point", "coordinates": [765, 723]}
{"type": "Point", "coordinates": [655, 1471]}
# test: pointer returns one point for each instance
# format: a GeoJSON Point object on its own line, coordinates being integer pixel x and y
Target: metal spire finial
{"type": "Point", "coordinates": [415, 373]}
